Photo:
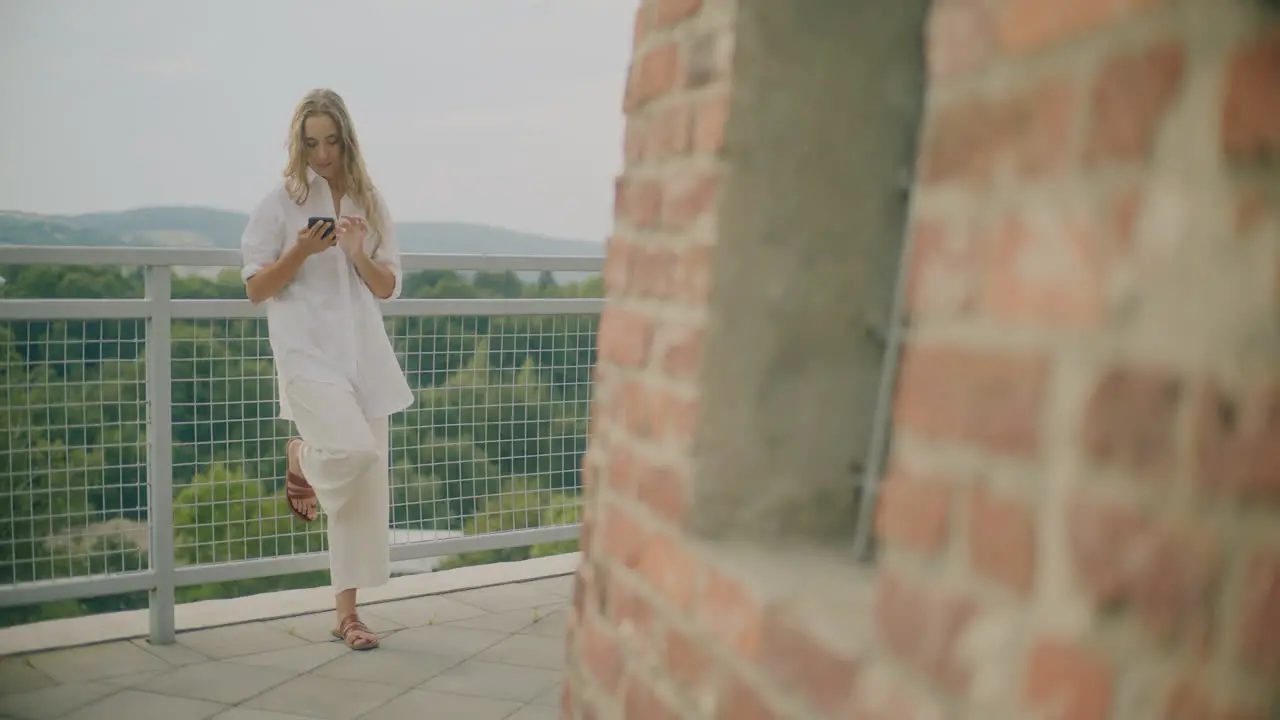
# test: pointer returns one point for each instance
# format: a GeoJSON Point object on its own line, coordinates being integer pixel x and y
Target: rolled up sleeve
{"type": "Point", "coordinates": [387, 252]}
{"type": "Point", "coordinates": [263, 238]}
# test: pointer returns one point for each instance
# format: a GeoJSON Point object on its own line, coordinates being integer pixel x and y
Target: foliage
{"type": "Point", "coordinates": [493, 443]}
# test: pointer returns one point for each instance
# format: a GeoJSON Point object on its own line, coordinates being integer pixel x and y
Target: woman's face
{"type": "Point", "coordinates": [324, 145]}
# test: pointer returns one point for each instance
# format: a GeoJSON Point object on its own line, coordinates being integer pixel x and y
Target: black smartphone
{"type": "Point", "coordinates": [313, 221]}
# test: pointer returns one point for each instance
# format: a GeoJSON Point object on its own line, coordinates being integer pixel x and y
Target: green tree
{"type": "Point", "coordinates": [524, 503]}
{"type": "Point", "coordinates": [221, 516]}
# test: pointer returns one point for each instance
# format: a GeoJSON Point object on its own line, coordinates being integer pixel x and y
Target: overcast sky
{"type": "Point", "coordinates": [505, 112]}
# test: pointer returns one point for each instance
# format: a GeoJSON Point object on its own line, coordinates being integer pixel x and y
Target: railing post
{"type": "Point", "coordinates": [160, 454]}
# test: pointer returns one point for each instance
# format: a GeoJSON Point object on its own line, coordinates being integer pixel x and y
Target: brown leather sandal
{"type": "Point", "coordinates": [296, 487]}
{"type": "Point", "coordinates": [356, 634]}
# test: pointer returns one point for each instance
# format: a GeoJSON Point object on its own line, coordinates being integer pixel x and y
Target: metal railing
{"type": "Point", "coordinates": [141, 450]}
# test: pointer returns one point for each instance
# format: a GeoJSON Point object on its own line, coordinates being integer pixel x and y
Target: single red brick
{"type": "Point", "coordinates": [1260, 628]}
{"type": "Point", "coordinates": [1002, 540]}
{"type": "Point", "coordinates": [655, 273]}
{"type": "Point", "coordinates": [960, 36]}
{"type": "Point", "coordinates": [622, 476]}
{"type": "Point", "coordinates": [914, 513]}
{"type": "Point", "coordinates": [665, 491]}
{"type": "Point", "coordinates": [635, 141]}
{"type": "Point", "coordinates": [741, 700]}
{"type": "Point", "coordinates": [696, 273]}
{"type": "Point", "coordinates": [623, 538]}
{"type": "Point", "coordinates": [922, 627]}
{"type": "Point", "coordinates": [1132, 96]}
{"type": "Point", "coordinates": [1027, 131]}
{"type": "Point", "coordinates": [730, 612]}
{"type": "Point", "coordinates": [1031, 25]}
{"type": "Point", "coordinates": [669, 568]}
{"type": "Point", "coordinates": [617, 266]}
{"type": "Point", "coordinates": [1127, 561]}
{"type": "Point", "coordinates": [987, 398]}
{"type": "Point", "coordinates": [806, 666]}
{"type": "Point", "coordinates": [644, 11]}
{"type": "Point", "coordinates": [675, 417]}
{"type": "Point", "coordinates": [682, 355]}
{"type": "Point", "coordinates": [638, 202]}
{"type": "Point", "coordinates": [635, 407]}
{"type": "Point", "coordinates": [567, 705]}
{"type": "Point", "coordinates": [670, 132]}
{"type": "Point", "coordinates": [657, 73]}
{"type": "Point", "coordinates": [671, 12]}
{"type": "Point", "coordinates": [640, 700]}
{"type": "Point", "coordinates": [628, 607]}
{"type": "Point", "coordinates": [1047, 268]}
{"type": "Point", "coordinates": [1068, 682]}
{"type": "Point", "coordinates": [1239, 444]}
{"type": "Point", "coordinates": [1250, 132]}
{"type": "Point", "coordinates": [687, 661]}
{"type": "Point", "coordinates": [601, 655]}
{"type": "Point", "coordinates": [1191, 700]}
{"type": "Point", "coordinates": [625, 336]}
{"type": "Point", "coordinates": [688, 196]}
{"type": "Point", "coordinates": [945, 272]}
{"type": "Point", "coordinates": [1131, 419]}
{"type": "Point", "coordinates": [710, 116]}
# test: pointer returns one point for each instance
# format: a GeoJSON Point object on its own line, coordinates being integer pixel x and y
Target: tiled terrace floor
{"type": "Point", "coordinates": [493, 653]}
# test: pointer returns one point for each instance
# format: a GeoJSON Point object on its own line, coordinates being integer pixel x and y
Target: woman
{"type": "Point", "coordinates": [338, 377]}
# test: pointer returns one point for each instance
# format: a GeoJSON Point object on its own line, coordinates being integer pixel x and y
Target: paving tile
{"type": "Point", "coordinates": [551, 625]}
{"type": "Point", "coordinates": [124, 681]}
{"type": "Point", "coordinates": [136, 705]}
{"type": "Point", "coordinates": [551, 698]}
{"type": "Point", "coordinates": [222, 682]}
{"type": "Point", "coordinates": [243, 713]}
{"type": "Point", "coordinates": [562, 585]}
{"type": "Point", "coordinates": [53, 702]}
{"type": "Point", "coordinates": [237, 640]}
{"type": "Point", "coordinates": [96, 661]}
{"type": "Point", "coordinates": [494, 680]}
{"type": "Point", "coordinates": [316, 696]}
{"type": "Point", "coordinates": [455, 642]}
{"type": "Point", "coordinates": [391, 667]}
{"type": "Point", "coordinates": [17, 674]}
{"type": "Point", "coordinates": [507, 622]}
{"type": "Point", "coordinates": [503, 598]}
{"type": "Point", "coordinates": [299, 659]}
{"type": "Point", "coordinates": [427, 610]}
{"type": "Point", "coordinates": [535, 712]}
{"type": "Point", "coordinates": [174, 654]}
{"type": "Point", "coordinates": [420, 704]}
{"type": "Point", "coordinates": [531, 650]}
{"type": "Point", "coordinates": [318, 627]}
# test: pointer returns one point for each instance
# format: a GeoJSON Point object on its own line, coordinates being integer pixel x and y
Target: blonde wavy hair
{"type": "Point", "coordinates": [358, 185]}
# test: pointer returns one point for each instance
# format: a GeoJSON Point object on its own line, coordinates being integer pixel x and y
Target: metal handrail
{"type": "Point", "coordinates": [158, 308]}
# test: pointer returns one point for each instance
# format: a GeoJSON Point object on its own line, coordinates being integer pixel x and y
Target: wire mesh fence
{"type": "Point", "coordinates": [492, 444]}
{"type": "Point", "coordinates": [72, 449]}
{"type": "Point", "coordinates": [491, 447]}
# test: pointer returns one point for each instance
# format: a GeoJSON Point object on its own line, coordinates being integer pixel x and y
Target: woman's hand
{"type": "Point", "coordinates": [312, 240]}
{"type": "Point", "coordinates": [352, 231]}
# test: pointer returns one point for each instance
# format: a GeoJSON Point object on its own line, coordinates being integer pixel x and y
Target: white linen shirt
{"type": "Point", "coordinates": [326, 325]}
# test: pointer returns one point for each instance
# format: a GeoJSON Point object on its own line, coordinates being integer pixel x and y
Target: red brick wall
{"type": "Point", "coordinates": [1082, 514]}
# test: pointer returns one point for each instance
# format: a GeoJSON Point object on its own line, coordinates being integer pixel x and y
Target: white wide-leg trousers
{"type": "Point", "coordinates": [346, 458]}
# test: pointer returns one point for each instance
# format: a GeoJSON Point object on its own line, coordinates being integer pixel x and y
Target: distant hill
{"type": "Point", "coordinates": [198, 227]}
